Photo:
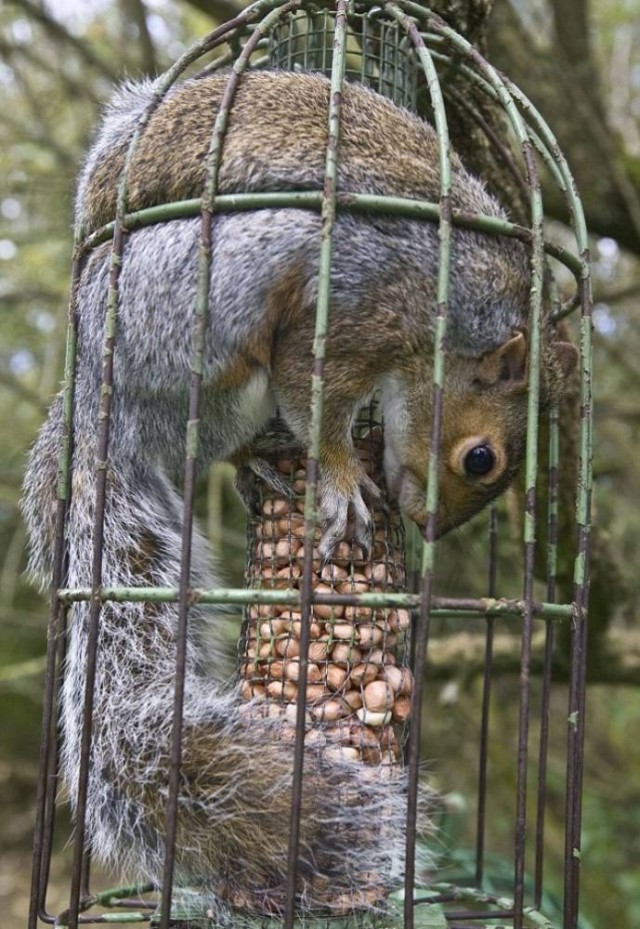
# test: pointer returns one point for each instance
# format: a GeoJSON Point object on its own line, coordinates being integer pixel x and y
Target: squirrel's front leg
{"type": "Point", "coordinates": [349, 379]}
{"type": "Point", "coordinates": [343, 484]}
{"type": "Point", "coordinates": [343, 481]}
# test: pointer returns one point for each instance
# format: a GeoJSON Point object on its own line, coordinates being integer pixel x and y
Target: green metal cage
{"type": "Point", "coordinates": [407, 53]}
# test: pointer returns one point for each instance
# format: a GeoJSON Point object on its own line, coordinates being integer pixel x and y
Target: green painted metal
{"type": "Point", "coordinates": [444, 262]}
{"type": "Point", "coordinates": [345, 200]}
{"type": "Point", "coordinates": [429, 914]}
{"type": "Point", "coordinates": [328, 217]}
{"type": "Point", "coordinates": [243, 595]}
{"type": "Point", "coordinates": [537, 264]}
{"type": "Point", "coordinates": [378, 54]}
{"type": "Point", "coordinates": [531, 460]}
{"type": "Point", "coordinates": [505, 97]}
{"type": "Point", "coordinates": [552, 504]}
{"type": "Point", "coordinates": [428, 550]}
{"type": "Point", "coordinates": [547, 146]}
{"type": "Point", "coordinates": [71, 351]}
{"type": "Point", "coordinates": [554, 157]}
{"type": "Point", "coordinates": [533, 918]}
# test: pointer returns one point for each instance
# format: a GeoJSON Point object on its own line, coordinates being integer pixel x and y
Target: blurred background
{"type": "Point", "coordinates": [579, 60]}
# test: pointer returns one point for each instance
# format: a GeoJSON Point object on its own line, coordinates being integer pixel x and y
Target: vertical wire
{"type": "Point", "coordinates": [581, 569]}
{"type": "Point", "coordinates": [486, 698]}
{"type": "Point", "coordinates": [307, 41]}
{"type": "Point", "coordinates": [324, 42]}
{"type": "Point", "coordinates": [576, 708]}
{"type": "Point", "coordinates": [47, 767]}
{"type": "Point", "coordinates": [531, 466]}
{"type": "Point", "coordinates": [290, 43]}
{"type": "Point", "coordinates": [428, 551]}
{"type": "Point", "coordinates": [328, 217]}
{"type": "Point", "coordinates": [398, 70]}
{"type": "Point", "coordinates": [546, 143]}
{"type": "Point", "coordinates": [78, 875]}
{"type": "Point", "coordinates": [537, 260]}
{"type": "Point", "coordinates": [577, 696]}
{"type": "Point", "coordinates": [214, 156]}
{"type": "Point", "coordinates": [52, 772]}
{"type": "Point", "coordinates": [95, 604]}
{"type": "Point", "coordinates": [552, 563]}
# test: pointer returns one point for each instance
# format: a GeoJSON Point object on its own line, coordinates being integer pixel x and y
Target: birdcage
{"type": "Point", "coordinates": [405, 52]}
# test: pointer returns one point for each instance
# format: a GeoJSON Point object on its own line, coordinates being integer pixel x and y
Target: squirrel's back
{"type": "Point", "coordinates": [276, 139]}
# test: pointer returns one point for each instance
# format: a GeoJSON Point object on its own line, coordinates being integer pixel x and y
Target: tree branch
{"type": "Point", "coordinates": [59, 34]}
{"type": "Point", "coordinates": [23, 130]}
{"type": "Point", "coordinates": [569, 98]}
{"type": "Point", "coordinates": [25, 393]}
{"type": "Point", "coordinates": [218, 10]}
{"type": "Point", "coordinates": [137, 13]}
{"type": "Point", "coordinates": [462, 655]}
{"type": "Point", "coordinates": [74, 88]}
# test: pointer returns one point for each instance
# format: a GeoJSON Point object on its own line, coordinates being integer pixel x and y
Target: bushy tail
{"type": "Point", "coordinates": [235, 787]}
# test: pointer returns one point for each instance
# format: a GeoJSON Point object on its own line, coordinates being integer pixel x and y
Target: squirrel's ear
{"type": "Point", "coordinates": [567, 355]}
{"type": "Point", "coordinates": [507, 363]}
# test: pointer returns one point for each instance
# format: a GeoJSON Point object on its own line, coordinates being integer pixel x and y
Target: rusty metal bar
{"type": "Point", "coordinates": [345, 200]}
{"type": "Point", "coordinates": [104, 425]}
{"type": "Point", "coordinates": [214, 157]}
{"type": "Point", "coordinates": [486, 700]}
{"type": "Point", "coordinates": [428, 552]}
{"type": "Point", "coordinates": [329, 201]}
{"type": "Point", "coordinates": [577, 696]}
{"type": "Point", "coordinates": [328, 217]}
{"type": "Point", "coordinates": [240, 595]}
{"type": "Point", "coordinates": [552, 560]}
{"type": "Point", "coordinates": [48, 754]}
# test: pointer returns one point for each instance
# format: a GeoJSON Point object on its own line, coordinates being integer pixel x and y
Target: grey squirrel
{"type": "Point", "coordinates": [234, 799]}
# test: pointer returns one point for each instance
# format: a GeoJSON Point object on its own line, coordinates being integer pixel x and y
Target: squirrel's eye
{"type": "Point", "coordinates": [479, 461]}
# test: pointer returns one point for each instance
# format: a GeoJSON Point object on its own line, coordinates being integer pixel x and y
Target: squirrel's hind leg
{"type": "Point", "coordinates": [253, 472]}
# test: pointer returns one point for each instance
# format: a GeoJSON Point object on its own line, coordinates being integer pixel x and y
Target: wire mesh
{"type": "Point", "coordinates": [358, 690]}
{"type": "Point", "coordinates": [360, 601]}
{"type": "Point", "coordinates": [378, 53]}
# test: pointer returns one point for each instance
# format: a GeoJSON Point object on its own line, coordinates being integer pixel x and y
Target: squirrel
{"type": "Point", "coordinates": [235, 788]}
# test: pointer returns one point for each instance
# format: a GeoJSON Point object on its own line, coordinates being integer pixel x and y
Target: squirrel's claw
{"type": "Point", "coordinates": [254, 473]}
{"type": "Point", "coordinates": [372, 493]}
{"type": "Point", "coordinates": [334, 509]}
{"type": "Point", "coordinates": [334, 502]}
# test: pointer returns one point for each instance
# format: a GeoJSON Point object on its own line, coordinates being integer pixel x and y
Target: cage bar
{"type": "Point", "coordinates": [486, 699]}
{"type": "Point", "coordinates": [328, 215]}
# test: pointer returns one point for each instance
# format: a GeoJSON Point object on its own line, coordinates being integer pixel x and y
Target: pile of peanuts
{"type": "Point", "coordinates": [359, 687]}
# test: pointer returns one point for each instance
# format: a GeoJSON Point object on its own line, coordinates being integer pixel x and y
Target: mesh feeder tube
{"type": "Point", "coordinates": [358, 689]}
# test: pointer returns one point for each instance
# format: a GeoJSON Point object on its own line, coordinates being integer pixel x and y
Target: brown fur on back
{"type": "Point", "coordinates": [382, 148]}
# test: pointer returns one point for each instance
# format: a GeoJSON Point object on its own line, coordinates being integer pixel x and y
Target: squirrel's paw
{"type": "Point", "coordinates": [254, 474]}
{"type": "Point", "coordinates": [334, 510]}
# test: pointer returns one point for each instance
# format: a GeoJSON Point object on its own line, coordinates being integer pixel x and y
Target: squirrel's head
{"type": "Point", "coordinates": [484, 426]}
